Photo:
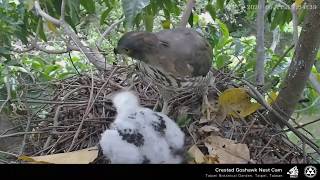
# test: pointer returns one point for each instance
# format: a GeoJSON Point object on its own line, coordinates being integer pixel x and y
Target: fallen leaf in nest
{"type": "Point", "coordinates": [211, 159]}
{"type": "Point", "coordinates": [84, 156]}
{"type": "Point", "coordinates": [227, 151]}
{"type": "Point", "coordinates": [204, 120]}
{"type": "Point", "coordinates": [199, 158]}
{"type": "Point", "coordinates": [196, 154]}
{"type": "Point", "coordinates": [272, 97]}
{"type": "Point", "coordinates": [236, 102]}
{"type": "Point", "coordinates": [208, 128]}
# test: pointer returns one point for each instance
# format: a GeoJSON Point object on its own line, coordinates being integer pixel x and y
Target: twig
{"type": "Point", "coordinates": [303, 125]}
{"type": "Point", "coordinates": [246, 133]}
{"type": "Point", "coordinates": [22, 133]}
{"type": "Point", "coordinates": [265, 146]}
{"type": "Point", "coordinates": [25, 135]}
{"type": "Point", "coordinates": [108, 31]}
{"type": "Point", "coordinates": [56, 102]}
{"type": "Point", "coordinates": [84, 116]}
{"type": "Point", "coordinates": [74, 66]}
{"type": "Point", "coordinates": [8, 153]}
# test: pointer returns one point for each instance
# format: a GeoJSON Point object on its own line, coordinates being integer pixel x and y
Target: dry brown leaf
{"type": "Point", "coordinates": [208, 159]}
{"type": "Point", "coordinates": [204, 120]}
{"type": "Point", "coordinates": [196, 154]}
{"type": "Point", "coordinates": [209, 128]}
{"type": "Point", "coordinates": [228, 151]}
{"type": "Point", "coordinates": [84, 156]}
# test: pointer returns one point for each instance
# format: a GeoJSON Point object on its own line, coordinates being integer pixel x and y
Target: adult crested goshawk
{"type": "Point", "coordinates": [176, 61]}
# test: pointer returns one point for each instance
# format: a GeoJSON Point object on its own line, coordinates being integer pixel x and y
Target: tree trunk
{"type": "Point", "coordinates": [300, 67]}
{"type": "Point", "coordinates": [260, 44]}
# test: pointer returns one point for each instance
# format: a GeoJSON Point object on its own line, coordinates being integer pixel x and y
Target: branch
{"type": "Point", "coordinates": [260, 44]}
{"type": "Point", "coordinates": [93, 55]}
{"type": "Point", "coordinates": [314, 81]}
{"type": "Point", "coordinates": [63, 7]}
{"type": "Point", "coordinates": [275, 39]}
{"type": "Point", "coordinates": [44, 14]}
{"type": "Point", "coordinates": [35, 46]}
{"type": "Point", "coordinates": [187, 12]}
{"type": "Point", "coordinates": [57, 51]}
{"type": "Point", "coordinates": [108, 31]}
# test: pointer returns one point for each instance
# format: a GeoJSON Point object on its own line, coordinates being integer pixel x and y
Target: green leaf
{"type": "Point", "coordinates": [171, 7]}
{"type": "Point", "coordinates": [132, 8]}
{"type": "Point", "coordinates": [269, 15]}
{"type": "Point", "coordinates": [148, 21]}
{"type": "Point", "coordinates": [238, 47]}
{"type": "Point", "coordinates": [18, 69]}
{"type": "Point", "coordinates": [104, 15]}
{"type": "Point", "coordinates": [65, 75]}
{"type": "Point", "coordinates": [237, 2]}
{"type": "Point", "coordinates": [190, 20]}
{"type": "Point", "coordinates": [220, 61]}
{"type": "Point", "coordinates": [29, 4]}
{"type": "Point", "coordinates": [212, 10]}
{"type": "Point", "coordinates": [89, 5]}
{"type": "Point", "coordinates": [74, 9]}
{"type": "Point", "coordinates": [41, 32]}
{"type": "Point", "coordinates": [220, 4]}
{"type": "Point", "coordinates": [51, 69]}
{"type": "Point", "coordinates": [5, 52]}
{"type": "Point", "coordinates": [224, 29]}
{"type": "Point", "coordinates": [168, 5]}
{"type": "Point", "coordinates": [36, 65]}
{"type": "Point", "coordinates": [195, 19]}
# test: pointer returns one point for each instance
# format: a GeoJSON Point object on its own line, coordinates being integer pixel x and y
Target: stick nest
{"type": "Point", "coordinates": [70, 115]}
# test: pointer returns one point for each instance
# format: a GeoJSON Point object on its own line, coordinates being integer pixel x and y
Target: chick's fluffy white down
{"type": "Point", "coordinates": [140, 135]}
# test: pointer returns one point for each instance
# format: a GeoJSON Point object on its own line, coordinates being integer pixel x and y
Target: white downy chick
{"type": "Point", "coordinates": [143, 135]}
{"type": "Point", "coordinates": [119, 151]}
{"type": "Point", "coordinates": [169, 135]}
